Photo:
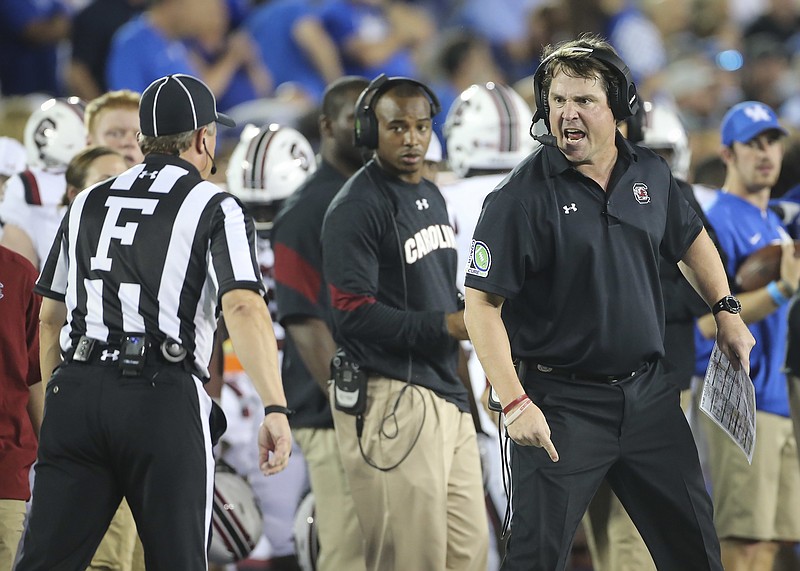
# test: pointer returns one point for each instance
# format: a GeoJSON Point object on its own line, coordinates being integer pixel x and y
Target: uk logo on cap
{"type": "Point", "coordinates": [747, 120]}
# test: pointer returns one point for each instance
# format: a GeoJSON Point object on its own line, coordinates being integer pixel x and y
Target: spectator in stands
{"type": "Point", "coordinates": [30, 31]}
{"type": "Point", "coordinates": [294, 45]}
{"type": "Point", "coordinates": [152, 45]}
{"type": "Point", "coordinates": [377, 36]}
{"type": "Point", "coordinates": [92, 30]}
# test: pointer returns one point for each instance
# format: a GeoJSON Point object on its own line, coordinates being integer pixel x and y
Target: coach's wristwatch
{"type": "Point", "coordinates": [727, 303]}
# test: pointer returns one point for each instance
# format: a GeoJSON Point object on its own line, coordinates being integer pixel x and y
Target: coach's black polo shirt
{"type": "Point", "coordinates": [579, 267]}
{"type": "Point", "coordinates": [389, 259]}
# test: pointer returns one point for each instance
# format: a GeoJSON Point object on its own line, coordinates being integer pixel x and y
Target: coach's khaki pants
{"type": "Point", "coordinates": [613, 540]}
{"type": "Point", "coordinates": [794, 404]}
{"type": "Point", "coordinates": [424, 510]}
{"type": "Point", "coordinates": [117, 550]}
{"type": "Point", "coordinates": [12, 522]}
{"type": "Point", "coordinates": [340, 538]}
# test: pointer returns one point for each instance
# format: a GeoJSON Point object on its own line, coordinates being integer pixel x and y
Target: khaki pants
{"type": "Point", "coordinates": [794, 403]}
{"type": "Point", "coordinates": [613, 540]}
{"type": "Point", "coordinates": [116, 550]}
{"type": "Point", "coordinates": [340, 538]}
{"type": "Point", "coordinates": [424, 511]}
{"type": "Point", "coordinates": [758, 501]}
{"type": "Point", "coordinates": [12, 522]}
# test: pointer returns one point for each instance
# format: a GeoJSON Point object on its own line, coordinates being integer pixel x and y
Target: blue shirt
{"type": "Point", "coordinates": [271, 26]}
{"type": "Point", "coordinates": [140, 54]}
{"type": "Point", "coordinates": [742, 228]}
{"type": "Point", "coordinates": [25, 67]}
{"type": "Point", "coordinates": [345, 19]}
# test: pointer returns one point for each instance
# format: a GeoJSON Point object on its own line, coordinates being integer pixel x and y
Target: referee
{"type": "Point", "coordinates": [138, 269]}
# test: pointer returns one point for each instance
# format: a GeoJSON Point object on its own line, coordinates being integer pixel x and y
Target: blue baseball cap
{"type": "Point", "coordinates": [745, 121]}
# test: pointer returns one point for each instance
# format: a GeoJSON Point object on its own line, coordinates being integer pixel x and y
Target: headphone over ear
{"type": "Point", "coordinates": [366, 123]}
{"type": "Point", "coordinates": [623, 100]}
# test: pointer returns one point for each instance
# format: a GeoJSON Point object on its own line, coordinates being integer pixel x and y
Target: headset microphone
{"type": "Point", "coordinates": [547, 139]}
{"type": "Point", "coordinates": [213, 162]}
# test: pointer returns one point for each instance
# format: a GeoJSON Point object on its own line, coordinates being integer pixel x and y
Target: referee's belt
{"type": "Point", "coordinates": [131, 354]}
{"type": "Point", "coordinates": [572, 375]}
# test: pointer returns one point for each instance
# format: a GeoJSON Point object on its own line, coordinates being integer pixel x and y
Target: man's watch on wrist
{"type": "Point", "coordinates": [728, 303]}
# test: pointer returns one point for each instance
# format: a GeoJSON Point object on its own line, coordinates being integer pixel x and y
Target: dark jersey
{"type": "Point", "coordinates": [151, 251]}
{"type": "Point", "coordinates": [579, 267]}
{"type": "Point", "coordinates": [299, 287]}
{"type": "Point", "coordinates": [389, 259]}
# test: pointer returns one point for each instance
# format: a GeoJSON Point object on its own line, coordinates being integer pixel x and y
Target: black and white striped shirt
{"type": "Point", "coordinates": [152, 250]}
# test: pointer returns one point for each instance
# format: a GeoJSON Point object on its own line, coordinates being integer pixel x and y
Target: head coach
{"type": "Point", "coordinates": [137, 272]}
{"type": "Point", "coordinates": [569, 289]}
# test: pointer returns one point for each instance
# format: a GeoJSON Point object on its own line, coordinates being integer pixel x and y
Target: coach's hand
{"type": "Point", "coordinates": [531, 429]}
{"type": "Point", "coordinates": [274, 443]}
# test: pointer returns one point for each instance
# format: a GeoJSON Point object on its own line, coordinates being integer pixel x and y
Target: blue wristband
{"type": "Point", "coordinates": [776, 294]}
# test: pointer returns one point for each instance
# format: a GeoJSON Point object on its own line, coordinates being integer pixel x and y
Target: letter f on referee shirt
{"type": "Point", "coordinates": [125, 233]}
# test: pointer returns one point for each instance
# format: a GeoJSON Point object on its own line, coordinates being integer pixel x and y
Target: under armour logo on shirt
{"type": "Point", "coordinates": [570, 208]}
{"type": "Point", "coordinates": [106, 355]}
{"type": "Point", "coordinates": [151, 174]}
{"type": "Point", "coordinates": [422, 204]}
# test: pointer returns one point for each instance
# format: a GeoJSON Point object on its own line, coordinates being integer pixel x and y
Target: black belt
{"type": "Point", "coordinates": [92, 351]}
{"type": "Point", "coordinates": [572, 375]}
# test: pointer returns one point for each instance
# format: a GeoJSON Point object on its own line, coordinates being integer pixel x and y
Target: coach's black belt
{"type": "Point", "coordinates": [131, 354]}
{"type": "Point", "coordinates": [579, 376]}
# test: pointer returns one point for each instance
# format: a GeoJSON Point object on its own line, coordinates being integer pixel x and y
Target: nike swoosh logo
{"type": "Point", "coordinates": [755, 238]}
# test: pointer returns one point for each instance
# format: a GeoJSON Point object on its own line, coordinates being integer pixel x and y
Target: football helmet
{"type": "Point", "coordinates": [54, 133]}
{"type": "Point", "coordinates": [236, 519]}
{"type": "Point", "coordinates": [487, 128]}
{"type": "Point", "coordinates": [664, 131]}
{"type": "Point", "coordinates": [268, 164]}
{"type": "Point", "coordinates": [306, 539]}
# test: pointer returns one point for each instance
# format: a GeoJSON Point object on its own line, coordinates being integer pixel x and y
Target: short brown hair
{"type": "Point", "coordinates": [575, 63]}
{"type": "Point", "coordinates": [78, 167]}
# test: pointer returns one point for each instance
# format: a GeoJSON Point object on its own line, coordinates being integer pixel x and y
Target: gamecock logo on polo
{"type": "Point", "coordinates": [640, 193]}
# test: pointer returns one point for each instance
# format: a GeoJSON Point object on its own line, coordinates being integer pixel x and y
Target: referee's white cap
{"type": "Point", "coordinates": [178, 103]}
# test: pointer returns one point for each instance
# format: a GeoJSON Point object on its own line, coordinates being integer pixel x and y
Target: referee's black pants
{"type": "Point", "coordinates": [634, 434]}
{"type": "Point", "coordinates": [105, 436]}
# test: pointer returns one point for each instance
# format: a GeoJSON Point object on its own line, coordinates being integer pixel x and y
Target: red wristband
{"type": "Point", "coordinates": [510, 406]}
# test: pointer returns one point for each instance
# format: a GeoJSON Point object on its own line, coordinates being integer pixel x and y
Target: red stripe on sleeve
{"type": "Point", "coordinates": [344, 301]}
{"type": "Point", "coordinates": [293, 271]}
{"type": "Point", "coordinates": [32, 195]}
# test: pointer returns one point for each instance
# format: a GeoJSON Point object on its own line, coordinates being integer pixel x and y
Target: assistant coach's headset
{"type": "Point", "coordinates": [622, 96]}
{"type": "Point", "coordinates": [366, 123]}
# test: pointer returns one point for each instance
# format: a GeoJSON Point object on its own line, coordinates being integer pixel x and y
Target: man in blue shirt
{"type": "Point", "coordinates": [294, 45]}
{"type": "Point", "coordinates": [756, 506]}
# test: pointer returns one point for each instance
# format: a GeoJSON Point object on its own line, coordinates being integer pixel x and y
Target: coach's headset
{"type": "Point", "coordinates": [366, 123]}
{"type": "Point", "coordinates": [622, 96]}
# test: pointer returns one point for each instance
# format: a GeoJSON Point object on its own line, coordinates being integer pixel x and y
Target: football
{"type": "Point", "coordinates": [762, 267]}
